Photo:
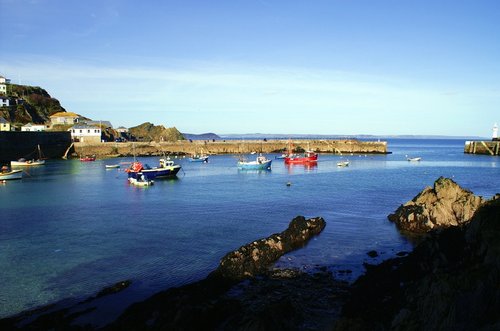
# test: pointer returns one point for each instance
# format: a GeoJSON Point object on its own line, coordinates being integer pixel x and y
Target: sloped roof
{"type": "Point", "coordinates": [3, 120]}
{"type": "Point", "coordinates": [82, 127]}
{"type": "Point", "coordinates": [64, 114]}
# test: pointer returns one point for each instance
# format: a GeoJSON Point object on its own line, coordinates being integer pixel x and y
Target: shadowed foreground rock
{"type": "Point", "coordinates": [254, 258]}
{"type": "Point", "coordinates": [209, 304]}
{"type": "Point", "coordinates": [443, 206]}
{"type": "Point", "coordinates": [451, 281]}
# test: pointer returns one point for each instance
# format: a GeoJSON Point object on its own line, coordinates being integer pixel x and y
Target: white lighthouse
{"type": "Point", "coordinates": [495, 132]}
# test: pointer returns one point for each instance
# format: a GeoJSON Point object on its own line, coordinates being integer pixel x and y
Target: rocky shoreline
{"type": "Point", "coordinates": [449, 282]}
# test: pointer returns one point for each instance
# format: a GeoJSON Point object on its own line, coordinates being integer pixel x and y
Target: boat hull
{"type": "Point", "coordinates": [27, 163]}
{"type": "Point", "coordinates": [14, 174]}
{"type": "Point", "coordinates": [153, 173]}
{"type": "Point", "coordinates": [298, 160]}
{"type": "Point", "coordinates": [254, 165]}
{"type": "Point", "coordinates": [199, 159]}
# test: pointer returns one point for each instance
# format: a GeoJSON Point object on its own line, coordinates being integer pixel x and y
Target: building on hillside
{"type": "Point", "coordinates": [64, 118]}
{"type": "Point", "coordinates": [122, 129]}
{"type": "Point", "coordinates": [3, 85]}
{"type": "Point", "coordinates": [4, 102]}
{"type": "Point", "coordinates": [85, 133]}
{"type": "Point", "coordinates": [30, 127]}
{"type": "Point", "coordinates": [4, 125]}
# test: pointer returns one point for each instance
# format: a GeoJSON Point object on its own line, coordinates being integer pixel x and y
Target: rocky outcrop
{"type": "Point", "coordinates": [254, 258]}
{"type": "Point", "coordinates": [442, 206]}
{"type": "Point", "coordinates": [150, 132]}
{"type": "Point", "coordinates": [449, 282]}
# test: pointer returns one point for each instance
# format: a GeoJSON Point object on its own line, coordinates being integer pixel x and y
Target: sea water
{"type": "Point", "coordinates": [70, 228]}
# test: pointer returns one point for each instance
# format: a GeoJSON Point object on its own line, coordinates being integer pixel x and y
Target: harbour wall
{"type": "Point", "coordinates": [16, 144]}
{"type": "Point", "coordinates": [482, 147]}
{"type": "Point", "coordinates": [186, 147]}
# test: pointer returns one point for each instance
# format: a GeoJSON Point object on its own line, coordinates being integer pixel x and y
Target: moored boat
{"type": "Point", "coordinates": [88, 158]}
{"type": "Point", "coordinates": [343, 164]}
{"type": "Point", "coordinates": [413, 159]}
{"type": "Point", "coordinates": [112, 166]}
{"type": "Point", "coordinates": [8, 174]}
{"type": "Point", "coordinates": [306, 157]}
{"type": "Point", "coordinates": [140, 181]}
{"type": "Point", "coordinates": [167, 168]}
{"type": "Point", "coordinates": [29, 162]}
{"type": "Point", "coordinates": [199, 158]}
{"type": "Point", "coordinates": [261, 163]}
{"type": "Point", "coordinates": [295, 158]}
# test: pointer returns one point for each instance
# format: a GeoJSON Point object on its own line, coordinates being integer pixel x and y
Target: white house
{"type": "Point", "coordinates": [4, 101]}
{"type": "Point", "coordinates": [4, 125]}
{"type": "Point", "coordinates": [122, 129]}
{"type": "Point", "coordinates": [64, 118]}
{"type": "Point", "coordinates": [85, 133]}
{"type": "Point", "coordinates": [33, 127]}
{"type": "Point", "coordinates": [3, 84]}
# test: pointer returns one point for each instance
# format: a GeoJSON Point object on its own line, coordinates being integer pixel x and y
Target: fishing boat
{"type": "Point", "coordinates": [8, 174]}
{"type": "Point", "coordinates": [261, 163]}
{"type": "Point", "coordinates": [29, 162]}
{"type": "Point", "coordinates": [87, 158]}
{"type": "Point", "coordinates": [295, 158]}
{"type": "Point", "coordinates": [413, 159]}
{"type": "Point", "coordinates": [112, 166]}
{"type": "Point", "coordinates": [343, 164]}
{"type": "Point", "coordinates": [167, 168]}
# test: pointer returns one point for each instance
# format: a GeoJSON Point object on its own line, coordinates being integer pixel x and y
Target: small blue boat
{"type": "Point", "coordinates": [261, 163]}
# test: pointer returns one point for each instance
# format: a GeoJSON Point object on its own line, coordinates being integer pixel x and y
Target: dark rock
{"type": "Point", "coordinates": [372, 254]}
{"type": "Point", "coordinates": [255, 257]}
{"type": "Point", "coordinates": [449, 282]}
{"type": "Point", "coordinates": [445, 205]}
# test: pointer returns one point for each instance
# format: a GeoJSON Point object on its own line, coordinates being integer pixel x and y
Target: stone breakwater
{"type": "Point", "coordinates": [185, 147]}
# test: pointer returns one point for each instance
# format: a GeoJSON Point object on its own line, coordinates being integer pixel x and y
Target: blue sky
{"type": "Point", "coordinates": [246, 66]}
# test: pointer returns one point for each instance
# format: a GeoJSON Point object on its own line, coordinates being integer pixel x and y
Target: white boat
{"type": "Point", "coordinates": [23, 162]}
{"type": "Point", "coordinates": [141, 181]}
{"type": "Point", "coordinates": [8, 174]}
{"type": "Point", "coordinates": [343, 164]}
{"type": "Point", "coordinates": [413, 159]}
{"type": "Point", "coordinates": [199, 158]}
{"type": "Point", "coordinates": [112, 166]}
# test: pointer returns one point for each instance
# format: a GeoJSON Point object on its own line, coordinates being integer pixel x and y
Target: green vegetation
{"type": "Point", "coordinates": [150, 132]}
{"type": "Point", "coordinates": [33, 105]}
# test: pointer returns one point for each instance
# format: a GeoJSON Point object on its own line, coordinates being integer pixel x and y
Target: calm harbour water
{"type": "Point", "coordinates": [69, 228]}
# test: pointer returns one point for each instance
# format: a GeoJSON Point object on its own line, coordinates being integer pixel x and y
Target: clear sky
{"type": "Point", "coordinates": [247, 66]}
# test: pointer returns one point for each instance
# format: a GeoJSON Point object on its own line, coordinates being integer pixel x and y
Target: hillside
{"type": "Point", "coordinates": [150, 132]}
{"type": "Point", "coordinates": [29, 104]}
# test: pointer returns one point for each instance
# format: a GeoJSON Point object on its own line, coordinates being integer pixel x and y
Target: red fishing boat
{"type": "Point", "coordinates": [306, 157]}
{"type": "Point", "coordinates": [87, 158]}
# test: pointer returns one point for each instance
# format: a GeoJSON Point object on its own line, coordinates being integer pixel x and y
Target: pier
{"type": "Point", "coordinates": [482, 147]}
{"type": "Point", "coordinates": [186, 147]}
